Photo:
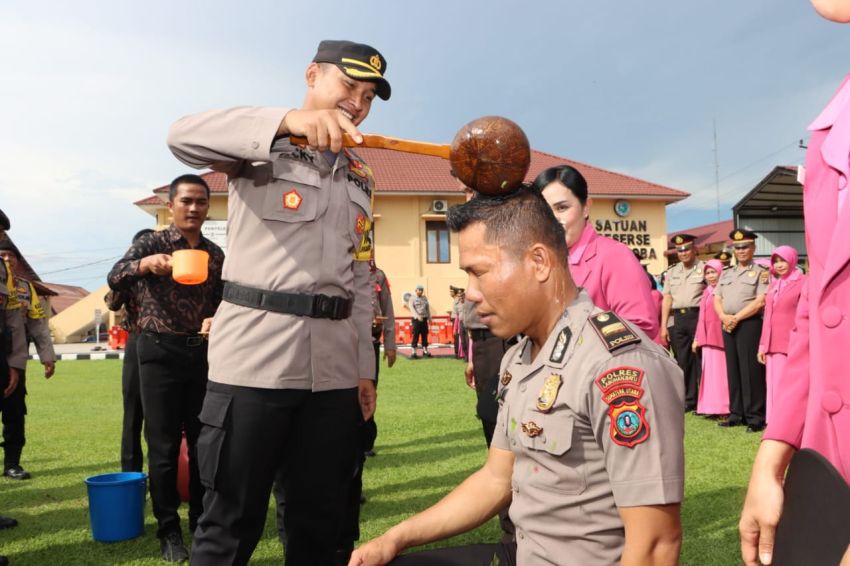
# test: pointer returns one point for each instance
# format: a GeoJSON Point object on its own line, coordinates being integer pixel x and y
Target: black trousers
{"type": "Point", "coordinates": [682, 335]}
{"type": "Point", "coordinates": [14, 417]}
{"type": "Point", "coordinates": [172, 380]}
{"type": "Point", "coordinates": [487, 353]}
{"type": "Point", "coordinates": [367, 432]}
{"type": "Point", "coordinates": [132, 458]}
{"type": "Point", "coordinates": [470, 555]}
{"type": "Point", "coordinates": [252, 435]}
{"type": "Point", "coordinates": [420, 332]}
{"type": "Point", "coordinates": [745, 373]}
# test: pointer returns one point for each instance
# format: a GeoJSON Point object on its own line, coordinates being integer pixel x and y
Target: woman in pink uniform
{"type": "Point", "coordinates": [779, 309]}
{"type": "Point", "coordinates": [607, 269]}
{"type": "Point", "coordinates": [714, 387]}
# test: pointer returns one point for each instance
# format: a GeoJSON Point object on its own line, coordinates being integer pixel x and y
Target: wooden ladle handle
{"type": "Point", "coordinates": [395, 144]}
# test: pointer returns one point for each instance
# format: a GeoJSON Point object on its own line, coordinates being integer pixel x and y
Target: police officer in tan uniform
{"type": "Point", "coordinates": [291, 362]}
{"type": "Point", "coordinates": [683, 289]}
{"type": "Point", "coordinates": [8, 375]}
{"type": "Point", "coordinates": [738, 301]}
{"type": "Point", "coordinates": [27, 310]}
{"type": "Point", "coordinates": [724, 257]}
{"type": "Point", "coordinates": [588, 447]}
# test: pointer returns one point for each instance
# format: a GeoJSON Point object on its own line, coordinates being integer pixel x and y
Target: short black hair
{"type": "Point", "coordinates": [188, 179]}
{"type": "Point", "coordinates": [515, 221]}
{"type": "Point", "coordinates": [140, 233]}
{"type": "Point", "coordinates": [568, 176]}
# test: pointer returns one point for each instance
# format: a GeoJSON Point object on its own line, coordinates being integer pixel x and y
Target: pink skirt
{"type": "Point", "coordinates": [714, 388]}
{"type": "Point", "coordinates": [773, 373]}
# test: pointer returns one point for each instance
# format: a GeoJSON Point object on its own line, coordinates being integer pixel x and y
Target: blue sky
{"type": "Point", "coordinates": [89, 89]}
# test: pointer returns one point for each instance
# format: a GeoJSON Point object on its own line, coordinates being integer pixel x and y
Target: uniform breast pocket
{"type": "Point", "coordinates": [294, 194]}
{"type": "Point", "coordinates": [360, 218]}
{"type": "Point", "coordinates": [558, 465]}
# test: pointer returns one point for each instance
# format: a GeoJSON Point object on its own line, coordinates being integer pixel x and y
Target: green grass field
{"type": "Point", "coordinates": [429, 440]}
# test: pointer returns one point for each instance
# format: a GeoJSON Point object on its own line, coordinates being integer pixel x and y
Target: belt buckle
{"type": "Point", "coordinates": [194, 341]}
{"type": "Point", "coordinates": [683, 311]}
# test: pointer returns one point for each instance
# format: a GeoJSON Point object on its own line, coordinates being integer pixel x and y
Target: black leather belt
{"type": "Point", "coordinates": [686, 310]}
{"type": "Point", "coordinates": [481, 333]}
{"type": "Point", "coordinates": [191, 340]}
{"type": "Point", "coordinates": [314, 306]}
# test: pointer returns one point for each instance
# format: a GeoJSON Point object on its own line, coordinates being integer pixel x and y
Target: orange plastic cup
{"type": "Point", "coordinates": [189, 267]}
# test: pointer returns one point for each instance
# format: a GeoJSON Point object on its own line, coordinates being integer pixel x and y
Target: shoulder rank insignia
{"type": "Point", "coordinates": [613, 331]}
{"type": "Point", "coordinates": [506, 378]}
{"type": "Point", "coordinates": [531, 429]}
{"type": "Point", "coordinates": [561, 344]}
{"type": "Point", "coordinates": [549, 392]}
{"type": "Point", "coordinates": [621, 391]}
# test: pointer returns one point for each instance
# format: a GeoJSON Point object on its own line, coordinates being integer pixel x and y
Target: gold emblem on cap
{"type": "Point", "coordinates": [375, 61]}
{"type": "Point", "coordinates": [738, 235]}
{"type": "Point", "coordinates": [549, 392]}
{"type": "Point", "coordinates": [602, 317]}
{"type": "Point", "coordinates": [679, 239]}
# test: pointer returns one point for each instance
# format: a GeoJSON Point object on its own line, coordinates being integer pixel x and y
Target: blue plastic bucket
{"type": "Point", "coordinates": [117, 505]}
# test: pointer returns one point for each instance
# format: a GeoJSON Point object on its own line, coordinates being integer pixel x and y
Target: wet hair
{"type": "Point", "coordinates": [515, 222]}
{"type": "Point", "coordinates": [140, 233]}
{"type": "Point", "coordinates": [567, 176]}
{"type": "Point", "coordinates": [188, 179]}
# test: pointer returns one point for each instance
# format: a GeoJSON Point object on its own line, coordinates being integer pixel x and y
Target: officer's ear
{"type": "Point", "coordinates": [540, 258]}
{"type": "Point", "coordinates": [311, 74]}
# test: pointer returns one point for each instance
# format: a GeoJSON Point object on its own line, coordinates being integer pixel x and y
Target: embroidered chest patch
{"type": "Point", "coordinates": [292, 200]}
{"type": "Point", "coordinates": [622, 389]}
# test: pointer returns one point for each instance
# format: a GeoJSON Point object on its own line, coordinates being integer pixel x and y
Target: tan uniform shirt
{"type": "Point", "coordinates": [15, 314]}
{"type": "Point", "coordinates": [383, 304]}
{"type": "Point", "coordinates": [38, 329]}
{"type": "Point", "coordinates": [685, 286]}
{"type": "Point", "coordinates": [295, 223]}
{"type": "Point", "coordinates": [739, 286]}
{"type": "Point", "coordinates": [591, 430]}
{"type": "Point", "coordinates": [470, 318]}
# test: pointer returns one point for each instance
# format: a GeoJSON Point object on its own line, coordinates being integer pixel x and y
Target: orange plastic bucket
{"type": "Point", "coordinates": [189, 267]}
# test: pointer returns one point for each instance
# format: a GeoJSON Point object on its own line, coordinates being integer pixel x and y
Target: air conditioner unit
{"type": "Point", "coordinates": [439, 205]}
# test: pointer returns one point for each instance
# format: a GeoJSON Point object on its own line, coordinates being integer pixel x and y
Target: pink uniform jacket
{"type": "Point", "coordinates": [614, 279]}
{"type": "Point", "coordinates": [814, 409]}
{"type": "Point", "coordinates": [779, 314]}
{"type": "Point", "coordinates": [709, 330]}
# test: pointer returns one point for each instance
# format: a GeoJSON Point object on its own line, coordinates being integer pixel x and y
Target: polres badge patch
{"type": "Point", "coordinates": [292, 200]}
{"type": "Point", "coordinates": [622, 389]}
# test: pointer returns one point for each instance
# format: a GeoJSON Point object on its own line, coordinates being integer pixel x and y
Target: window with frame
{"type": "Point", "coordinates": [437, 241]}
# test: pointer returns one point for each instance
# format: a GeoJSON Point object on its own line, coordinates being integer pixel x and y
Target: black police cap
{"type": "Point", "coordinates": [742, 235]}
{"type": "Point", "coordinates": [4, 221]}
{"type": "Point", "coordinates": [357, 60]}
{"type": "Point", "coordinates": [682, 239]}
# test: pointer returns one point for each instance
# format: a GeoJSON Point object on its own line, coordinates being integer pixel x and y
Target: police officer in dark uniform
{"type": "Point", "coordinates": [8, 377]}
{"type": "Point", "coordinates": [738, 301]}
{"type": "Point", "coordinates": [683, 288]}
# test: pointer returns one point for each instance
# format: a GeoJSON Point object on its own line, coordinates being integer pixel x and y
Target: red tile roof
{"type": "Point", "coordinates": [708, 234]}
{"type": "Point", "coordinates": [403, 172]}
{"type": "Point", "coordinates": [66, 295]}
{"type": "Point", "coordinates": [217, 182]}
{"type": "Point", "coordinates": [149, 200]}
{"type": "Point", "coordinates": [409, 173]}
